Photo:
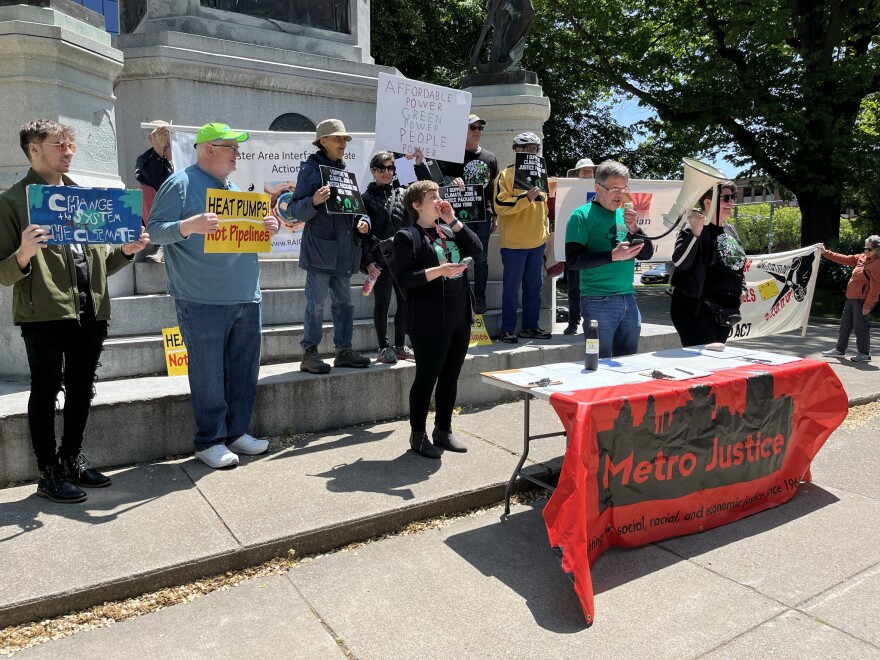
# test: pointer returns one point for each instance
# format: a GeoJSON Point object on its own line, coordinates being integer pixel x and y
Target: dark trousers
{"type": "Point", "coordinates": [694, 322]}
{"type": "Point", "coordinates": [382, 301]}
{"type": "Point", "coordinates": [438, 362]}
{"type": "Point", "coordinates": [573, 281]}
{"type": "Point", "coordinates": [61, 355]}
{"type": "Point", "coordinates": [853, 319]}
{"type": "Point", "coordinates": [481, 260]}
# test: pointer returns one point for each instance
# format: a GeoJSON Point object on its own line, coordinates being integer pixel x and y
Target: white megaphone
{"type": "Point", "coordinates": [698, 178]}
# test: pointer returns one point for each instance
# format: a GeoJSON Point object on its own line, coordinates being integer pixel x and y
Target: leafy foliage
{"type": "Point", "coordinates": [753, 226]}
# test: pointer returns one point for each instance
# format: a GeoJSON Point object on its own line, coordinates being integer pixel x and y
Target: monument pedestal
{"type": "Point", "coordinates": [509, 108]}
{"type": "Point", "coordinates": [193, 64]}
{"type": "Point", "coordinates": [55, 66]}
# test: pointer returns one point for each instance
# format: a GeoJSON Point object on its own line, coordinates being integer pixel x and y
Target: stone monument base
{"type": "Point", "coordinates": [509, 108]}
{"type": "Point", "coordinates": [56, 66]}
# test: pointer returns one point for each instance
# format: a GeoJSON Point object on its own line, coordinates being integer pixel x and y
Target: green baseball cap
{"type": "Point", "coordinates": [215, 131]}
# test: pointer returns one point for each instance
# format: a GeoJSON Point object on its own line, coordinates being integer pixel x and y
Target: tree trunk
{"type": "Point", "coordinates": [820, 217]}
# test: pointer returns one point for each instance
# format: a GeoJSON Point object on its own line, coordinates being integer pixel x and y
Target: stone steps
{"type": "Point", "coordinates": [144, 419]}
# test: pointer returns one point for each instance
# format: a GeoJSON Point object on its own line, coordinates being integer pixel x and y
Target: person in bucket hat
{"type": "Point", "coordinates": [329, 253]}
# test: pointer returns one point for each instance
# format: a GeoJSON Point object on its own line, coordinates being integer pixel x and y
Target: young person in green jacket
{"type": "Point", "coordinates": [61, 302]}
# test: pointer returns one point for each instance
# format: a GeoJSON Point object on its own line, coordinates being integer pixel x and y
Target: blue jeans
{"type": "Point", "coordinates": [223, 343]}
{"type": "Point", "coordinates": [342, 309]}
{"type": "Point", "coordinates": [522, 268]}
{"type": "Point", "coordinates": [481, 260]}
{"type": "Point", "coordinates": [620, 323]}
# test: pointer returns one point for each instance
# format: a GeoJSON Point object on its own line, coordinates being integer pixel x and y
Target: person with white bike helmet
{"type": "Point", "coordinates": [522, 219]}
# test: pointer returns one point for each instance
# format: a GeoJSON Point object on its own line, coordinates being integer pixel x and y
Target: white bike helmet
{"type": "Point", "coordinates": [526, 138]}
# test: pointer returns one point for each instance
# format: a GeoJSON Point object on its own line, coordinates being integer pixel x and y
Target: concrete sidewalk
{"type": "Point", "coordinates": [494, 586]}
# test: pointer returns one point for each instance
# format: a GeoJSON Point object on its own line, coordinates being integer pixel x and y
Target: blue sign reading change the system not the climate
{"type": "Point", "coordinates": [86, 215]}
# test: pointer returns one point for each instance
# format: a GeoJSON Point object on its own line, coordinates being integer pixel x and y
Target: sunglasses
{"type": "Point", "coordinates": [727, 198]}
{"type": "Point", "coordinates": [475, 127]}
{"type": "Point", "coordinates": [62, 146]}
{"type": "Point", "coordinates": [384, 168]}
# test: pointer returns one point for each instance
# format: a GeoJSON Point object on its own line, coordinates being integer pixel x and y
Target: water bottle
{"type": "Point", "coordinates": [370, 282]}
{"type": "Point", "coordinates": [591, 350]}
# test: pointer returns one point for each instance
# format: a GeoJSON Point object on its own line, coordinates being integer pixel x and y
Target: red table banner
{"type": "Point", "coordinates": [654, 460]}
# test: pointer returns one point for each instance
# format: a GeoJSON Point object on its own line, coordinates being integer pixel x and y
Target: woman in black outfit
{"type": "Point", "coordinates": [384, 205]}
{"type": "Point", "coordinates": [709, 277]}
{"type": "Point", "coordinates": [439, 309]}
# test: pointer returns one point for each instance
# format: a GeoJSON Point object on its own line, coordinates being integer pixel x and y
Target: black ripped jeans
{"type": "Point", "coordinates": [61, 355]}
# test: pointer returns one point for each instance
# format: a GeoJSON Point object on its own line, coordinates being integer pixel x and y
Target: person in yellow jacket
{"type": "Point", "coordinates": [522, 220]}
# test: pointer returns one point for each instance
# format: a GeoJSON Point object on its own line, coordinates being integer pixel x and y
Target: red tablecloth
{"type": "Point", "coordinates": [660, 459]}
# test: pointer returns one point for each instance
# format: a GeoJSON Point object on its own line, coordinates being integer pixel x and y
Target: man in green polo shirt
{"type": "Point", "coordinates": [601, 241]}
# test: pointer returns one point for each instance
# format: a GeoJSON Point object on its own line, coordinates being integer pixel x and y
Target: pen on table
{"type": "Point", "coordinates": [684, 371]}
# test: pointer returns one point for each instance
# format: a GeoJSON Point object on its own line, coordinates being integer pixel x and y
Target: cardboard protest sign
{"type": "Point", "coordinates": [86, 215]}
{"type": "Point", "coordinates": [530, 171]}
{"type": "Point", "coordinates": [344, 194]}
{"type": "Point", "coordinates": [412, 114]}
{"type": "Point", "coordinates": [176, 356]}
{"type": "Point", "coordinates": [241, 222]}
{"type": "Point", "coordinates": [468, 203]}
{"type": "Point", "coordinates": [479, 333]}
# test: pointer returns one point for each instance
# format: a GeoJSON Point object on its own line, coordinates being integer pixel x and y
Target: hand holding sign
{"type": "Point", "coordinates": [203, 223]}
{"type": "Point", "coordinates": [321, 195]}
{"type": "Point", "coordinates": [33, 239]}
{"type": "Point", "coordinates": [142, 242]}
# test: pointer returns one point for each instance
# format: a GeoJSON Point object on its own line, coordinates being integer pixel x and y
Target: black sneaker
{"type": "Point", "coordinates": [351, 358]}
{"type": "Point", "coordinates": [479, 305]}
{"type": "Point", "coordinates": [570, 329]}
{"type": "Point", "coordinates": [508, 337]}
{"type": "Point", "coordinates": [313, 363]}
{"type": "Point", "coordinates": [78, 471]}
{"type": "Point", "coordinates": [53, 486]}
{"type": "Point", "coordinates": [534, 333]}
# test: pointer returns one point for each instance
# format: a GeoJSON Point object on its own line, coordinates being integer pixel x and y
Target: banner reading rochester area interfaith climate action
{"type": "Point", "coordinates": [411, 114]}
{"type": "Point", "coordinates": [270, 162]}
{"type": "Point", "coordinates": [241, 222]}
{"type": "Point", "coordinates": [85, 215]}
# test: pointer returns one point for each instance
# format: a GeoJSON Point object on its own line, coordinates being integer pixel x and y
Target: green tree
{"type": "Point", "coordinates": [782, 82]}
{"type": "Point", "coordinates": [863, 184]}
{"type": "Point", "coordinates": [432, 41]}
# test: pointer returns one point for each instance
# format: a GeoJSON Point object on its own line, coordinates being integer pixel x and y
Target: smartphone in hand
{"type": "Point", "coordinates": [467, 261]}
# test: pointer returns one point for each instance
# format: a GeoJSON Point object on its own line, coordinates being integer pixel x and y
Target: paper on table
{"type": "Point", "coordinates": [623, 366]}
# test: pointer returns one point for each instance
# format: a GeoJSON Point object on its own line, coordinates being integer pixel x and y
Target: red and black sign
{"type": "Point", "coordinates": [655, 460]}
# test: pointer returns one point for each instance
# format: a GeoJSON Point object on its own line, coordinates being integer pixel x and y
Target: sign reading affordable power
{"type": "Point", "coordinates": [241, 222]}
{"type": "Point", "coordinates": [411, 114]}
{"type": "Point", "coordinates": [85, 215]}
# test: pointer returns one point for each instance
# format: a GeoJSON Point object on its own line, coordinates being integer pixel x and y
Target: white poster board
{"type": "Point", "coordinates": [412, 114]}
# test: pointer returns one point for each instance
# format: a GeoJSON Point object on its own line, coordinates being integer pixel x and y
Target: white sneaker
{"type": "Point", "coordinates": [833, 353]}
{"type": "Point", "coordinates": [249, 445]}
{"type": "Point", "coordinates": [217, 456]}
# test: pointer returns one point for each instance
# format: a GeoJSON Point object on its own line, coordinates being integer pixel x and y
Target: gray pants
{"type": "Point", "coordinates": [853, 319]}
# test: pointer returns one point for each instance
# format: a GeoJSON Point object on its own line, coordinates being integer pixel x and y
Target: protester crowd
{"type": "Point", "coordinates": [408, 243]}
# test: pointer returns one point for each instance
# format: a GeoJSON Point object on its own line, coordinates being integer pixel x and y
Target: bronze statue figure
{"type": "Point", "coordinates": [510, 21]}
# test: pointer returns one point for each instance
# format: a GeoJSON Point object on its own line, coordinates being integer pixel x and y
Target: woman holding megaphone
{"type": "Point", "coordinates": [709, 272]}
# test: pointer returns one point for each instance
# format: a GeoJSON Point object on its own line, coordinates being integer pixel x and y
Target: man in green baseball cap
{"type": "Point", "coordinates": [217, 298]}
{"type": "Point", "coordinates": [218, 131]}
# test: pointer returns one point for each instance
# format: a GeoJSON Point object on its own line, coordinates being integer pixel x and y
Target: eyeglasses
{"type": "Point", "coordinates": [727, 198]}
{"type": "Point", "coordinates": [614, 191]}
{"type": "Point", "coordinates": [867, 249]}
{"type": "Point", "coordinates": [62, 146]}
{"type": "Point", "coordinates": [384, 168]}
{"type": "Point", "coordinates": [475, 127]}
{"type": "Point", "coordinates": [233, 149]}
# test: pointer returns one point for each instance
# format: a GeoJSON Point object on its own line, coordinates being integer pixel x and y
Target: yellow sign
{"type": "Point", "coordinates": [768, 289]}
{"type": "Point", "coordinates": [176, 357]}
{"type": "Point", "coordinates": [241, 222]}
{"type": "Point", "coordinates": [479, 334]}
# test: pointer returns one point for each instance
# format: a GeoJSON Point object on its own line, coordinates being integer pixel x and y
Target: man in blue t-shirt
{"type": "Point", "coordinates": [601, 241]}
{"type": "Point", "coordinates": [218, 300]}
